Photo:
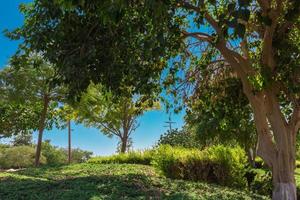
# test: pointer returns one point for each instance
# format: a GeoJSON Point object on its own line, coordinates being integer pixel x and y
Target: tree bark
{"type": "Point", "coordinates": [123, 144]}
{"type": "Point", "coordinates": [41, 130]}
{"type": "Point", "coordinates": [251, 157]}
{"type": "Point", "coordinates": [276, 145]}
{"type": "Point", "coordinates": [284, 186]}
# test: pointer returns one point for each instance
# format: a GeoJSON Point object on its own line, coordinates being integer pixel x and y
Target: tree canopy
{"type": "Point", "coordinates": [114, 43]}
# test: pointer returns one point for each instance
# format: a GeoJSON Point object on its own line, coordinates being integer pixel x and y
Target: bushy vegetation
{"type": "Point", "coordinates": [109, 181]}
{"type": "Point", "coordinates": [23, 156]}
{"type": "Point", "coordinates": [18, 157]}
{"type": "Point", "coordinates": [216, 164]}
{"type": "Point", "coordinates": [133, 157]}
{"type": "Point", "coordinates": [54, 155]}
{"type": "Point", "coordinates": [179, 138]}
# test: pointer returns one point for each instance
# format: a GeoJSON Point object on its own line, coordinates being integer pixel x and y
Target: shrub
{"type": "Point", "coordinates": [59, 156]}
{"type": "Point", "coordinates": [179, 138]}
{"type": "Point", "coordinates": [297, 163]}
{"type": "Point", "coordinates": [217, 164]}
{"type": "Point", "coordinates": [54, 155]}
{"type": "Point", "coordinates": [133, 157]}
{"type": "Point", "coordinates": [262, 183]}
{"type": "Point", "coordinates": [79, 156]}
{"type": "Point", "coordinates": [18, 157]}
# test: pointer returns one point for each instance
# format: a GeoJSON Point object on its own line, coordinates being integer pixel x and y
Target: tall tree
{"type": "Point", "coordinates": [259, 42]}
{"type": "Point", "coordinates": [66, 114]}
{"type": "Point", "coordinates": [113, 116]}
{"type": "Point", "coordinates": [28, 86]}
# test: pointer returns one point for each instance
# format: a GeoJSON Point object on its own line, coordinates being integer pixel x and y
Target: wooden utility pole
{"type": "Point", "coordinates": [69, 141]}
{"type": "Point", "coordinates": [170, 122]}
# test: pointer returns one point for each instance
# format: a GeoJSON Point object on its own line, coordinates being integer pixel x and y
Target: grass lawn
{"type": "Point", "coordinates": [107, 181]}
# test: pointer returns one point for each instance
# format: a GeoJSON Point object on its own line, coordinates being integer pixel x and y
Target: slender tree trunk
{"type": "Point", "coordinates": [41, 130]}
{"type": "Point", "coordinates": [69, 142]}
{"type": "Point", "coordinates": [123, 144]}
{"type": "Point", "coordinates": [251, 156]}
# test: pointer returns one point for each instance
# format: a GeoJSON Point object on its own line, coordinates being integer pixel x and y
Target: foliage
{"type": "Point", "coordinates": [23, 91]}
{"type": "Point", "coordinates": [179, 138]}
{"type": "Point", "coordinates": [221, 114]}
{"type": "Point", "coordinates": [54, 155]}
{"type": "Point", "coordinates": [109, 181]}
{"type": "Point", "coordinates": [59, 156]}
{"type": "Point", "coordinates": [18, 157]}
{"type": "Point", "coordinates": [17, 118]}
{"type": "Point", "coordinates": [262, 183]}
{"type": "Point", "coordinates": [217, 164]}
{"type": "Point", "coordinates": [22, 139]}
{"type": "Point", "coordinates": [22, 156]}
{"type": "Point", "coordinates": [113, 116]}
{"type": "Point", "coordinates": [79, 155]}
{"type": "Point", "coordinates": [114, 43]}
{"type": "Point", "coordinates": [132, 157]}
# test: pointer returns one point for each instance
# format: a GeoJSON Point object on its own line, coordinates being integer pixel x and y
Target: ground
{"type": "Point", "coordinates": [107, 181]}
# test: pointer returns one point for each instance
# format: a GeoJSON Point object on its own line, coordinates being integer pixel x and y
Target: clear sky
{"type": "Point", "coordinates": [151, 123]}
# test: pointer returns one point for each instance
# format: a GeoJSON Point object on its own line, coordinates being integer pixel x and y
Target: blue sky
{"type": "Point", "coordinates": [151, 123]}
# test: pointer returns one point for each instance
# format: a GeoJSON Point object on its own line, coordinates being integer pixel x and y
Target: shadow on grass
{"type": "Point", "coordinates": [129, 186]}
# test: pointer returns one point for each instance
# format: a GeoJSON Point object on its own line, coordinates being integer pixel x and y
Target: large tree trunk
{"type": "Point", "coordinates": [284, 191]}
{"type": "Point", "coordinates": [284, 187]}
{"type": "Point", "coordinates": [276, 145]}
{"type": "Point", "coordinates": [41, 130]}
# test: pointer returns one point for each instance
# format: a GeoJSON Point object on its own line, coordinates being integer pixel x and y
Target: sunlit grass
{"type": "Point", "coordinates": [107, 181]}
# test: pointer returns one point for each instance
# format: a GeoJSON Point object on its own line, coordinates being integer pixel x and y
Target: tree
{"type": "Point", "coordinates": [113, 116]}
{"type": "Point", "coordinates": [30, 86]}
{"type": "Point", "coordinates": [66, 114]}
{"type": "Point", "coordinates": [220, 113]}
{"type": "Point", "coordinates": [259, 42]}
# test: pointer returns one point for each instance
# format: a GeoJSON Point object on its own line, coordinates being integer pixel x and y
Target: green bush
{"type": "Point", "coordinates": [54, 155]}
{"type": "Point", "coordinates": [79, 156]}
{"type": "Point", "coordinates": [134, 157]}
{"type": "Point", "coordinates": [18, 157]}
{"type": "Point", "coordinates": [59, 156]}
{"type": "Point", "coordinates": [297, 163]}
{"type": "Point", "coordinates": [262, 183]}
{"type": "Point", "coordinates": [179, 138]}
{"type": "Point", "coordinates": [216, 164]}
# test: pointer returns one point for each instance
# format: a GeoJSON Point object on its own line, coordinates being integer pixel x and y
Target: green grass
{"type": "Point", "coordinates": [107, 181]}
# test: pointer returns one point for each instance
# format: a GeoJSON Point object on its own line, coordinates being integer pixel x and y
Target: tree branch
{"type": "Point", "coordinates": [198, 35]}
